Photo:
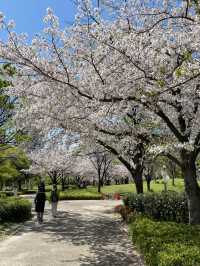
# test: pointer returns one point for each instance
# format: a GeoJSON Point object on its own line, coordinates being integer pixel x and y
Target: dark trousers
{"type": "Point", "coordinates": [40, 217]}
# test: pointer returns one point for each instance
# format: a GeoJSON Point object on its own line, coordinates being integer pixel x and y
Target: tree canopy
{"type": "Point", "coordinates": [120, 82]}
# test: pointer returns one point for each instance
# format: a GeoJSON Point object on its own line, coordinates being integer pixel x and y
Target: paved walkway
{"type": "Point", "coordinates": [85, 233]}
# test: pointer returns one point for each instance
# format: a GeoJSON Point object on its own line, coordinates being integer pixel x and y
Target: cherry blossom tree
{"type": "Point", "coordinates": [102, 163]}
{"type": "Point", "coordinates": [52, 161]}
{"type": "Point", "coordinates": [75, 78]}
{"type": "Point", "coordinates": [128, 139]}
{"type": "Point", "coordinates": [158, 63]}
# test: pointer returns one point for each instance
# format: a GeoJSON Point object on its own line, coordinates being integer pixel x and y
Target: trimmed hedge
{"type": "Point", "coordinates": [163, 206]}
{"type": "Point", "coordinates": [27, 192]}
{"type": "Point", "coordinates": [166, 243]}
{"type": "Point", "coordinates": [65, 196]}
{"type": "Point", "coordinates": [78, 194]}
{"type": "Point", "coordinates": [4, 194]}
{"type": "Point", "coordinates": [14, 210]}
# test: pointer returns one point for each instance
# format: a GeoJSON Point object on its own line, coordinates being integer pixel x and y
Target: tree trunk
{"type": "Point", "coordinates": [139, 186]}
{"type": "Point", "coordinates": [63, 184]}
{"type": "Point", "coordinates": [54, 186]}
{"type": "Point", "coordinates": [19, 185]}
{"type": "Point", "coordinates": [30, 184]}
{"type": "Point", "coordinates": [148, 185]}
{"type": "Point", "coordinates": [99, 186]}
{"type": "Point", "coordinates": [173, 180]}
{"type": "Point", "coordinates": [137, 177]}
{"type": "Point", "coordinates": [191, 186]}
{"type": "Point", "coordinates": [1, 185]}
{"type": "Point", "coordinates": [99, 180]}
{"type": "Point", "coordinates": [165, 186]}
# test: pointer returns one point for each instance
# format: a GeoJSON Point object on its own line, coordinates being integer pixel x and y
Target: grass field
{"type": "Point", "coordinates": [156, 187]}
{"type": "Point", "coordinates": [91, 192]}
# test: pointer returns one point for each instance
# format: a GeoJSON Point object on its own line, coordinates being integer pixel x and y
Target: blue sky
{"type": "Point", "coordinates": [28, 14]}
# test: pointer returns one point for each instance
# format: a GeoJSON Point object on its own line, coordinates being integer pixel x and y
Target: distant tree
{"type": "Point", "coordinates": [102, 162]}
{"type": "Point", "coordinates": [12, 161]}
{"type": "Point", "coordinates": [53, 161]}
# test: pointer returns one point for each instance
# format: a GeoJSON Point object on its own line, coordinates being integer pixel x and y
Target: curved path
{"type": "Point", "coordinates": [85, 233]}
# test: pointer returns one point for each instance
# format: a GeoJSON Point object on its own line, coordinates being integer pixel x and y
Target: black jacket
{"type": "Point", "coordinates": [40, 201]}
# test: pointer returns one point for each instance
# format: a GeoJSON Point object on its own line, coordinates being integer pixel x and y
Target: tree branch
{"type": "Point", "coordinates": [172, 127]}
{"type": "Point", "coordinates": [115, 152]}
{"type": "Point", "coordinates": [171, 157]}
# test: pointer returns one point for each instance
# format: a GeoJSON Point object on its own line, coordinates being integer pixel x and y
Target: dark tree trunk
{"type": "Point", "coordinates": [137, 177]}
{"type": "Point", "coordinates": [1, 185]}
{"type": "Point", "coordinates": [135, 173]}
{"type": "Point", "coordinates": [139, 186]}
{"type": "Point", "coordinates": [191, 186]}
{"type": "Point", "coordinates": [173, 165]}
{"type": "Point", "coordinates": [54, 186]}
{"type": "Point", "coordinates": [139, 167]}
{"type": "Point", "coordinates": [53, 177]}
{"type": "Point", "coordinates": [173, 180]}
{"type": "Point", "coordinates": [148, 178]}
{"type": "Point", "coordinates": [99, 186]}
{"type": "Point", "coordinates": [63, 184]}
{"type": "Point", "coordinates": [99, 180]}
{"type": "Point", "coordinates": [19, 185]}
{"type": "Point", "coordinates": [148, 185]}
{"type": "Point", "coordinates": [172, 168]}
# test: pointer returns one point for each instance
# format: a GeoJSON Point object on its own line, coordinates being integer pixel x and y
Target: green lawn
{"type": "Point", "coordinates": [156, 187]}
{"type": "Point", "coordinates": [91, 192]}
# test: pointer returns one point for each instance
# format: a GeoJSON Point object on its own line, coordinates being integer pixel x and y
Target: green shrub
{"type": "Point", "coordinates": [166, 243]}
{"type": "Point", "coordinates": [164, 206]}
{"type": "Point", "coordinates": [79, 197]}
{"type": "Point", "coordinates": [2, 194]}
{"type": "Point", "coordinates": [177, 254]}
{"type": "Point", "coordinates": [6, 194]}
{"type": "Point", "coordinates": [27, 192]}
{"type": "Point", "coordinates": [78, 194]}
{"type": "Point", "coordinates": [14, 210]}
{"type": "Point", "coordinates": [48, 189]}
{"type": "Point", "coordinates": [69, 194]}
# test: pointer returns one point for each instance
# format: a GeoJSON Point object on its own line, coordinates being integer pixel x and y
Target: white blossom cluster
{"type": "Point", "coordinates": [91, 74]}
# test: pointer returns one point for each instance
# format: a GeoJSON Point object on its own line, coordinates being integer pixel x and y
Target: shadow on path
{"type": "Point", "coordinates": [107, 242]}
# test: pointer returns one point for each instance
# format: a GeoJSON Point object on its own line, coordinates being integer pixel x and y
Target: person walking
{"type": "Point", "coordinates": [40, 199]}
{"type": "Point", "coordinates": [54, 200]}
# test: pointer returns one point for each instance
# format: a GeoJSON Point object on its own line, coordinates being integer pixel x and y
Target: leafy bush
{"type": "Point", "coordinates": [166, 243]}
{"type": "Point", "coordinates": [164, 206]}
{"type": "Point", "coordinates": [27, 192]}
{"type": "Point", "coordinates": [4, 194]}
{"type": "Point", "coordinates": [14, 210]}
{"type": "Point", "coordinates": [77, 195]}
{"type": "Point", "coordinates": [47, 189]}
